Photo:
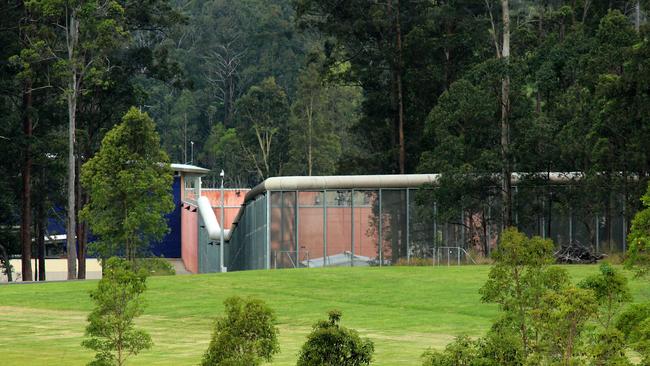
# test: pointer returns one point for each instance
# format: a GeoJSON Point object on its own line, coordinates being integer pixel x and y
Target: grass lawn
{"type": "Point", "coordinates": [404, 310]}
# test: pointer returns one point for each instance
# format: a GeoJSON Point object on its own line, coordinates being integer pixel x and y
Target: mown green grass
{"type": "Point", "coordinates": [404, 310]}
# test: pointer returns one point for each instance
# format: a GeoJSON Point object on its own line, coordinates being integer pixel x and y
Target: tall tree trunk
{"type": "Point", "coordinates": [72, 95]}
{"type": "Point", "coordinates": [505, 123]}
{"type": "Point", "coordinates": [40, 240]}
{"type": "Point", "coordinates": [26, 193]}
{"type": "Point", "coordinates": [540, 31]}
{"type": "Point", "coordinates": [637, 16]}
{"type": "Point", "coordinates": [400, 96]}
{"type": "Point", "coordinates": [81, 254]}
{"type": "Point", "coordinates": [310, 121]}
{"type": "Point", "coordinates": [72, 226]}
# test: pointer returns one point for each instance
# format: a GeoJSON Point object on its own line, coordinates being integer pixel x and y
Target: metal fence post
{"type": "Point", "coordinates": [352, 227]}
{"type": "Point", "coordinates": [324, 227]}
{"type": "Point", "coordinates": [624, 227]}
{"type": "Point", "coordinates": [408, 227]}
{"type": "Point", "coordinates": [268, 230]}
{"type": "Point", "coordinates": [597, 226]}
{"type": "Point", "coordinates": [381, 252]}
{"type": "Point", "coordinates": [296, 222]}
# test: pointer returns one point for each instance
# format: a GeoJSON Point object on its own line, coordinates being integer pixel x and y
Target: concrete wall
{"type": "Point", "coordinates": [198, 259]}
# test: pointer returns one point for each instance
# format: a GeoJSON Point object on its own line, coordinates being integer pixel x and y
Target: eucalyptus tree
{"type": "Point", "coordinates": [263, 116]}
{"type": "Point", "coordinates": [79, 35]}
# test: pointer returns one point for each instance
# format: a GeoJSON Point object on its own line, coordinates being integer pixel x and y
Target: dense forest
{"type": "Point", "coordinates": [473, 89]}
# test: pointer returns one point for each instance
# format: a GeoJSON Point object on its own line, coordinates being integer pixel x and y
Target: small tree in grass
{"type": "Point", "coordinates": [117, 303]}
{"type": "Point", "coordinates": [245, 336]}
{"type": "Point", "coordinates": [520, 278]}
{"type": "Point", "coordinates": [560, 319]}
{"type": "Point", "coordinates": [330, 344]}
{"type": "Point", "coordinates": [611, 290]}
{"type": "Point", "coordinates": [638, 254]}
{"type": "Point", "coordinates": [129, 183]}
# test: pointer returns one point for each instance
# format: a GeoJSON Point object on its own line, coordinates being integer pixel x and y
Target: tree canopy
{"type": "Point", "coordinates": [129, 184]}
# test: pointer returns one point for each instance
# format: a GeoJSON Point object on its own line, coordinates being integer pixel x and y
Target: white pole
{"type": "Point", "coordinates": [192, 152]}
{"type": "Point", "coordinates": [221, 261]}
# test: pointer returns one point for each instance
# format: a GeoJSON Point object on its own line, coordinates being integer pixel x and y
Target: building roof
{"type": "Point", "coordinates": [187, 168]}
{"type": "Point", "coordinates": [387, 181]}
{"type": "Point", "coordinates": [376, 181]}
{"type": "Point", "coordinates": [343, 182]}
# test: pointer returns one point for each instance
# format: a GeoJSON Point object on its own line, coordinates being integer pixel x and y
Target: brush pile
{"type": "Point", "coordinates": [576, 253]}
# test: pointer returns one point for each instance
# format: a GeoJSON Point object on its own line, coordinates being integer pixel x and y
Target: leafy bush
{"type": "Point", "coordinates": [463, 351]}
{"type": "Point", "coordinates": [330, 344]}
{"type": "Point", "coordinates": [609, 349]}
{"type": "Point", "coordinates": [117, 303]}
{"type": "Point", "coordinates": [634, 323]}
{"type": "Point", "coordinates": [245, 336]}
{"type": "Point", "coordinates": [560, 319]}
{"type": "Point", "coordinates": [639, 239]}
{"type": "Point", "coordinates": [500, 347]}
{"type": "Point", "coordinates": [629, 321]}
{"type": "Point", "coordinates": [155, 266]}
{"type": "Point", "coordinates": [611, 290]}
{"type": "Point", "coordinates": [519, 279]}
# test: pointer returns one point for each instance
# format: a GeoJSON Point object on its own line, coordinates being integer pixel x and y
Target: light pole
{"type": "Point", "coordinates": [221, 267]}
{"type": "Point", "coordinates": [192, 152]}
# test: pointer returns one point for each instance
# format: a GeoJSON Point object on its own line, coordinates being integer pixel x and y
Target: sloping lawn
{"type": "Point", "coordinates": [404, 310]}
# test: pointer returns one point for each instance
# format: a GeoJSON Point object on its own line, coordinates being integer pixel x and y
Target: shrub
{"type": "Point", "coordinates": [155, 266]}
{"type": "Point", "coordinates": [118, 302]}
{"type": "Point", "coordinates": [245, 336]}
{"type": "Point", "coordinates": [463, 351]}
{"type": "Point", "coordinates": [634, 323]}
{"type": "Point", "coordinates": [500, 347]}
{"type": "Point", "coordinates": [330, 344]}
{"type": "Point", "coordinates": [638, 254]}
{"type": "Point", "coordinates": [628, 322]}
{"type": "Point", "coordinates": [608, 349]}
{"type": "Point", "coordinates": [519, 278]}
{"type": "Point", "coordinates": [611, 290]}
{"type": "Point", "coordinates": [560, 319]}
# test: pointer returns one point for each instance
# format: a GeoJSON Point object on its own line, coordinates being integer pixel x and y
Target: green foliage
{"type": "Point", "coordinates": [330, 344]}
{"type": "Point", "coordinates": [245, 336]}
{"type": "Point", "coordinates": [609, 349]}
{"type": "Point", "coordinates": [463, 351]}
{"type": "Point", "coordinates": [560, 319]}
{"type": "Point", "coordinates": [224, 151]}
{"type": "Point", "coordinates": [641, 340]}
{"type": "Point", "coordinates": [520, 278]}
{"type": "Point", "coordinates": [263, 127]}
{"type": "Point", "coordinates": [321, 115]}
{"type": "Point", "coordinates": [465, 151]}
{"type": "Point", "coordinates": [500, 347]}
{"type": "Point", "coordinates": [154, 266]}
{"type": "Point", "coordinates": [634, 323]}
{"type": "Point", "coordinates": [611, 290]}
{"type": "Point", "coordinates": [111, 324]}
{"type": "Point", "coordinates": [638, 255]}
{"type": "Point", "coordinates": [129, 184]}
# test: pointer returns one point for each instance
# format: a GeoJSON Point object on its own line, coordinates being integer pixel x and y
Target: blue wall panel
{"type": "Point", "coordinates": [170, 246]}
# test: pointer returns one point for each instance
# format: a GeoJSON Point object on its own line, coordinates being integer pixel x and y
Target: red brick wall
{"type": "Point", "coordinates": [189, 238]}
